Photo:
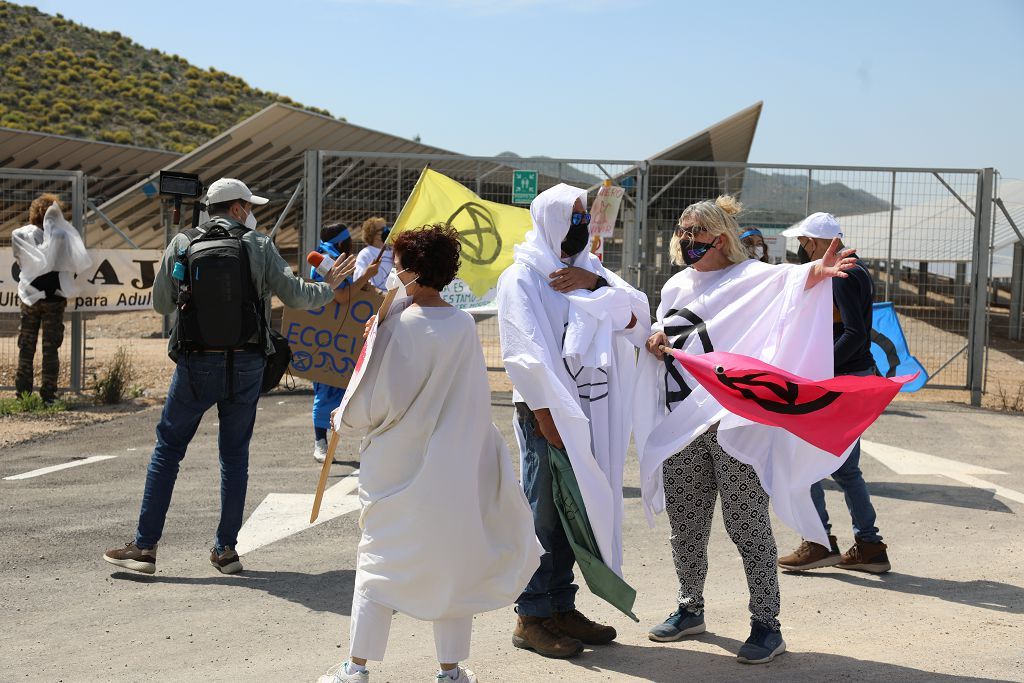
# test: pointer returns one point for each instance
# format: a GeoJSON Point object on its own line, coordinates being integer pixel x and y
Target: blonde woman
{"type": "Point", "coordinates": [737, 304]}
{"type": "Point", "coordinates": [374, 232]}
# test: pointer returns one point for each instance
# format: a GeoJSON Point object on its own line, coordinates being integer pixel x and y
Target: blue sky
{"type": "Point", "coordinates": [936, 83]}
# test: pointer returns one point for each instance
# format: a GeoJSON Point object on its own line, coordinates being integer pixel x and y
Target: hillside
{"type": "Point", "coordinates": [778, 200]}
{"type": "Point", "coordinates": [60, 77]}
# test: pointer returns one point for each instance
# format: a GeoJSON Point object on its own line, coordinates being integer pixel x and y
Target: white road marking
{"type": "Point", "coordinates": [902, 461]}
{"type": "Point", "coordinates": [56, 468]}
{"type": "Point", "coordinates": [283, 514]}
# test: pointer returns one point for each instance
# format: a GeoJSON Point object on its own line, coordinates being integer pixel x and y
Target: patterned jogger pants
{"type": "Point", "coordinates": [693, 479]}
{"type": "Point", "coordinates": [47, 316]}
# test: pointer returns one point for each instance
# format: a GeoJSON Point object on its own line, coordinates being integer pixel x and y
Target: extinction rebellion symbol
{"type": "Point", "coordinates": [481, 243]}
{"type": "Point", "coordinates": [678, 335]}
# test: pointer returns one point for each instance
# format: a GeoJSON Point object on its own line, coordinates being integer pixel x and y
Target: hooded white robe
{"type": "Point", "coordinates": [447, 531]}
{"type": "Point", "coordinates": [570, 353]}
{"type": "Point", "coordinates": [756, 310]}
{"type": "Point", "coordinates": [59, 248]}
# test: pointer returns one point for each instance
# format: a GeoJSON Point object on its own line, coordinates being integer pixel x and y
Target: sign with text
{"type": "Point", "coordinates": [326, 341]}
{"type": "Point", "coordinates": [524, 186]}
{"type": "Point", "coordinates": [119, 280]}
{"type": "Point", "coordinates": [605, 210]}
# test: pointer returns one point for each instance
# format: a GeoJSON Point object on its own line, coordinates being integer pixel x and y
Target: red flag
{"type": "Point", "coordinates": [830, 414]}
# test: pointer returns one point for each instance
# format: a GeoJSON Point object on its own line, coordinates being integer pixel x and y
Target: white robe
{"type": "Point", "coordinates": [58, 249]}
{"type": "Point", "coordinates": [447, 531]}
{"type": "Point", "coordinates": [570, 353]}
{"type": "Point", "coordinates": [366, 256]}
{"type": "Point", "coordinates": [757, 310]}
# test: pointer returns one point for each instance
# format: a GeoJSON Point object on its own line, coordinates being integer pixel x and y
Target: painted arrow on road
{"type": "Point", "coordinates": [281, 515]}
{"type": "Point", "coordinates": [902, 461]}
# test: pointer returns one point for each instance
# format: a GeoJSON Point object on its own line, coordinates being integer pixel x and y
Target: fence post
{"type": "Point", "coordinates": [78, 199]}
{"type": "Point", "coordinates": [632, 232]}
{"type": "Point", "coordinates": [977, 330]}
{"type": "Point", "coordinates": [312, 204]}
{"type": "Point", "coordinates": [1016, 291]}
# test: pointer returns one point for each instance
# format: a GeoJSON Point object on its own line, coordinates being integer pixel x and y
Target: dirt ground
{"type": "Point", "coordinates": [140, 334]}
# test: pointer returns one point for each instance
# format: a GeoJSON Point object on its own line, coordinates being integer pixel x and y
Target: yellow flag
{"type": "Point", "coordinates": [487, 230]}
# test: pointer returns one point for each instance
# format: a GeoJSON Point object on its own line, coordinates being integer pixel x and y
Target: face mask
{"type": "Point", "coordinates": [395, 282]}
{"type": "Point", "coordinates": [759, 252]}
{"type": "Point", "coordinates": [802, 255]}
{"type": "Point", "coordinates": [250, 221]}
{"type": "Point", "coordinates": [576, 240]}
{"type": "Point", "coordinates": [695, 252]}
{"type": "Point", "coordinates": [384, 234]}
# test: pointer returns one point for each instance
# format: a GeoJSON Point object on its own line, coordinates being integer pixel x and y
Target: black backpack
{"type": "Point", "coordinates": [218, 306]}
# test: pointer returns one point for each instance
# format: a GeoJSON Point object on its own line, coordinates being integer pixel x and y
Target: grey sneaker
{"type": "Point", "coordinates": [226, 562]}
{"type": "Point", "coordinates": [680, 623]}
{"type": "Point", "coordinates": [762, 646]}
{"type": "Point", "coordinates": [133, 557]}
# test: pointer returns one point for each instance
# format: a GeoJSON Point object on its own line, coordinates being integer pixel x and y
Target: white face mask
{"type": "Point", "coordinates": [395, 282]}
{"type": "Point", "coordinates": [250, 221]}
{"type": "Point", "coordinates": [759, 252]}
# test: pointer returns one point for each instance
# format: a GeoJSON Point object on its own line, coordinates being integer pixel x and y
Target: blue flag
{"type": "Point", "coordinates": [889, 348]}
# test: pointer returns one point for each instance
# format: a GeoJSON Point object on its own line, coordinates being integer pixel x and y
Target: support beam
{"type": "Point", "coordinates": [977, 332]}
{"type": "Point", "coordinates": [1017, 292]}
{"type": "Point", "coordinates": [922, 283]}
{"type": "Point", "coordinates": [312, 203]}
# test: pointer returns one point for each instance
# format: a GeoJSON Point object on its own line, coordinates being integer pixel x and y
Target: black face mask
{"type": "Point", "coordinates": [695, 252]}
{"type": "Point", "coordinates": [576, 240]}
{"type": "Point", "coordinates": [802, 255]}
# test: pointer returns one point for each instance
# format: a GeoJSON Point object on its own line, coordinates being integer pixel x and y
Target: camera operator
{"type": "Point", "coordinates": [228, 375]}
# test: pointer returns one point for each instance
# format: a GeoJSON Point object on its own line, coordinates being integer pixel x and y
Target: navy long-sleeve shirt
{"type": "Point", "coordinates": [853, 297]}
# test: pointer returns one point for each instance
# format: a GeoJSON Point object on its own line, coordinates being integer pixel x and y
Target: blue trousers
{"type": "Point", "coordinates": [325, 399]}
{"type": "Point", "coordinates": [201, 381]}
{"type": "Point", "coordinates": [551, 589]}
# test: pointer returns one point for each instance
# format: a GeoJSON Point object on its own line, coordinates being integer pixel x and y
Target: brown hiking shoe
{"type": "Point", "coordinates": [811, 556]}
{"type": "Point", "coordinates": [575, 625]}
{"type": "Point", "coordinates": [226, 562]}
{"type": "Point", "coordinates": [532, 633]}
{"type": "Point", "coordinates": [132, 557]}
{"type": "Point", "coordinates": [865, 556]}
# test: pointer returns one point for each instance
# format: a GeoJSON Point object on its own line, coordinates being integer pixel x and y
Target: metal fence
{"type": "Point", "coordinates": [923, 233]}
{"type": "Point", "coordinates": [17, 190]}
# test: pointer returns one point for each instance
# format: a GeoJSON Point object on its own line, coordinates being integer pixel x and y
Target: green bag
{"type": "Point", "coordinates": [602, 581]}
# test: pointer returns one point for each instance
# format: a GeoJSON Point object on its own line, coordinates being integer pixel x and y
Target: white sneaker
{"type": "Point", "coordinates": [320, 450]}
{"type": "Point", "coordinates": [339, 675]}
{"type": "Point", "coordinates": [464, 675]}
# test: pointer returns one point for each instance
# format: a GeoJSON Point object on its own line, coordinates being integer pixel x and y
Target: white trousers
{"type": "Point", "coordinates": [371, 624]}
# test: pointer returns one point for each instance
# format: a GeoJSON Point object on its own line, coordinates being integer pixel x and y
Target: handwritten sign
{"type": "Point", "coordinates": [605, 210]}
{"type": "Point", "coordinates": [326, 341]}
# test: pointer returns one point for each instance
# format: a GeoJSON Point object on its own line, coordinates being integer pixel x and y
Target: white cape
{"type": "Point", "coordinates": [570, 353]}
{"type": "Point", "coordinates": [756, 310]}
{"type": "Point", "coordinates": [447, 531]}
{"type": "Point", "coordinates": [61, 250]}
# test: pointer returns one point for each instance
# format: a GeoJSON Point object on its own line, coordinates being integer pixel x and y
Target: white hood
{"type": "Point", "coordinates": [551, 212]}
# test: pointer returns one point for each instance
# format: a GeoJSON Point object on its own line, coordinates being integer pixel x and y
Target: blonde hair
{"type": "Point", "coordinates": [370, 227]}
{"type": "Point", "coordinates": [37, 209]}
{"type": "Point", "coordinates": [718, 220]}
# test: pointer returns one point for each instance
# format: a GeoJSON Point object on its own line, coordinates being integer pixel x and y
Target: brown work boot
{"type": "Point", "coordinates": [531, 633]}
{"type": "Point", "coordinates": [811, 556]}
{"type": "Point", "coordinates": [865, 556]}
{"type": "Point", "coordinates": [575, 625]}
{"type": "Point", "coordinates": [133, 557]}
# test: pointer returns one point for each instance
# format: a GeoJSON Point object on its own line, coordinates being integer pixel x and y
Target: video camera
{"type": "Point", "coordinates": [182, 185]}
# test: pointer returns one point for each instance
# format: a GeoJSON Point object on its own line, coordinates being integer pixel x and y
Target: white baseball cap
{"type": "Point", "coordinates": [821, 225]}
{"type": "Point", "coordinates": [230, 189]}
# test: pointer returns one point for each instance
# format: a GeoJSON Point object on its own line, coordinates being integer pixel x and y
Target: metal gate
{"type": "Point", "coordinates": [926, 234]}
{"type": "Point", "coordinates": [17, 190]}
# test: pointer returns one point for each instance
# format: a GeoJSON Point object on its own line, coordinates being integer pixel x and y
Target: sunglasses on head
{"type": "Point", "coordinates": [579, 218]}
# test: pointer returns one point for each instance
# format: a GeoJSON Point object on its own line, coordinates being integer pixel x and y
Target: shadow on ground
{"type": "Point", "coordinates": [993, 595]}
{"type": "Point", "coordinates": [937, 494]}
{"type": "Point", "coordinates": [327, 592]}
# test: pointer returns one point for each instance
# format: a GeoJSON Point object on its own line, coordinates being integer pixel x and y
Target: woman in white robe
{"type": "Point", "coordinates": [447, 532]}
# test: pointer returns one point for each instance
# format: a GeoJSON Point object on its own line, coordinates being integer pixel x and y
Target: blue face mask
{"type": "Point", "coordinates": [695, 252]}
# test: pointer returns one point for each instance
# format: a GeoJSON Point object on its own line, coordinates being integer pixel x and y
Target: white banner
{"type": "Point", "coordinates": [119, 280]}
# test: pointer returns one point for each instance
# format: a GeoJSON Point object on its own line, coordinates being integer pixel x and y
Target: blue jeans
{"type": "Point", "coordinates": [205, 374]}
{"type": "Point", "coordinates": [551, 589]}
{"type": "Point", "coordinates": [855, 490]}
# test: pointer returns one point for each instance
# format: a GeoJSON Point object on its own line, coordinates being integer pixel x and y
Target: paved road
{"type": "Point", "coordinates": [952, 608]}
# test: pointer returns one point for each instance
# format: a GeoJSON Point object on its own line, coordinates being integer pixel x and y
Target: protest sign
{"type": "Point", "coordinates": [118, 280]}
{"type": "Point", "coordinates": [605, 210]}
{"type": "Point", "coordinates": [326, 341]}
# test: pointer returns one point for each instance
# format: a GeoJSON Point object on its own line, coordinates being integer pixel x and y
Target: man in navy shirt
{"type": "Point", "coordinates": [852, 299]}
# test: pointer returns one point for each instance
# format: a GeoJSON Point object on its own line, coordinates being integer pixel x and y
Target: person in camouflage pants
{"type": "Point", "coordinates": [47, 316]}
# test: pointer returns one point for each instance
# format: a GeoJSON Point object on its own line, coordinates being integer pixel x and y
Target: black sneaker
{"type": "Point", "coordinates": [763, 645]}
{"type": "Point", "coordinates": [226, 561]}
{"type": "Point", "coordinates": [133, 557]}
{"type": "Point", "coordinates": [680, 623]}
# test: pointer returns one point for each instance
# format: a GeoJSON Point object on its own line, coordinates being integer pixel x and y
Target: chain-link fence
{"type": "Point", "coordinates": [924, 234]}
{"type": "Point", "coordinates": [17, 190]}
